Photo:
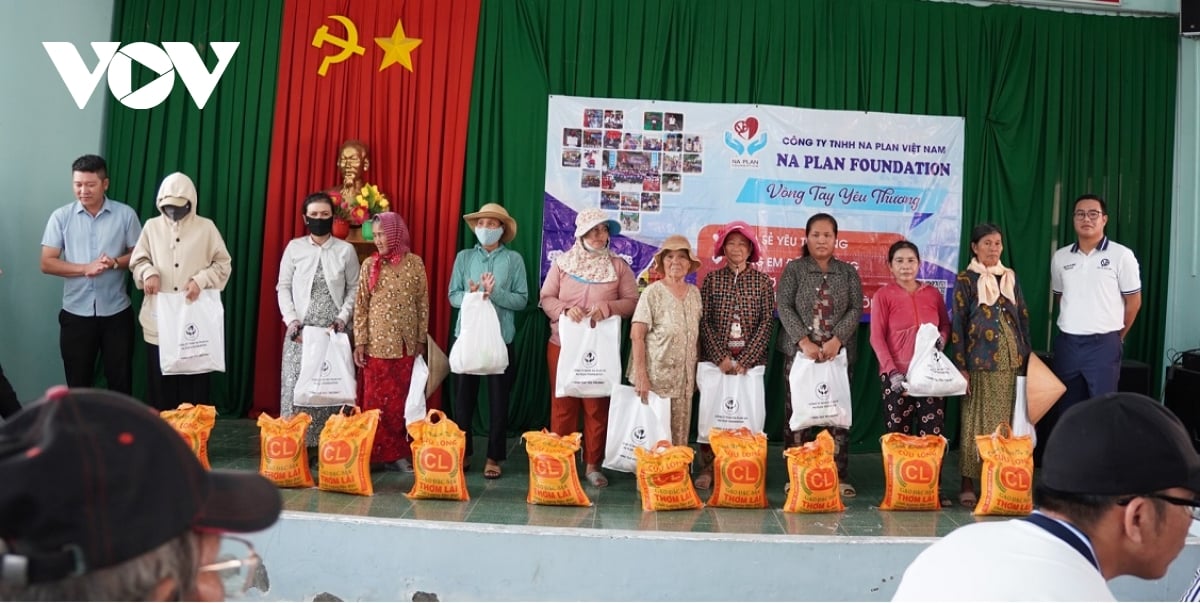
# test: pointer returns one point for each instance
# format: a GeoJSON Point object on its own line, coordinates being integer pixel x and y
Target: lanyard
{"type": "Point", "coordinates": [1066, 535]}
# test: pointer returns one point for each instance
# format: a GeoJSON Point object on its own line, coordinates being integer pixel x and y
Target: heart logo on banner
{"type": "Point", "coordinates": [746, 128]}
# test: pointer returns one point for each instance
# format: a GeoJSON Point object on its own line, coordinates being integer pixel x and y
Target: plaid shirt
{"type": "Point", "coordinates": [750, 296]}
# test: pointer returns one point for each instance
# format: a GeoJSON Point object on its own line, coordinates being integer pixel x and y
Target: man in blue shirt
{"type": "Point", "coordinates": [88, 242]}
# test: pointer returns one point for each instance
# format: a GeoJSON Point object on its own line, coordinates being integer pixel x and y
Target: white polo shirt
{"type": "Point", "coordinates": [1093, 286]}
{"type": "Point", "coordinates": [1010, 560]}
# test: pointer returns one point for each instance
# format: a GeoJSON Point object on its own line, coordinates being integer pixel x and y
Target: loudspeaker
{"type": "Point", "coordinates": [1190, 360]}
{"type": "Point", "coordinates": [1181, 398]}
{"type": "Point", "coordinates": [1189, 17]}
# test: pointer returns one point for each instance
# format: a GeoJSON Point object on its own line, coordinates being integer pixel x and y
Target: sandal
{"type": "Point", "coordinates": [848, 491]}
{"type": "Point", "coordinates": [704, 480]}
{"type": "Point", "coordinates": [967, 499]}
{"type": "Point", "coordinates": [491, 470]}
{"type": "Point", "coordinates": [946, 502]}
{"type": "Point", "coordinates": [597, 479]}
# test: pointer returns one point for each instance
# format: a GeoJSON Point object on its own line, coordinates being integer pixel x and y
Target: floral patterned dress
{"type": "Point", "coordinates": [321, 313]}
{"type": "Point", "coordinates": [672, 350]}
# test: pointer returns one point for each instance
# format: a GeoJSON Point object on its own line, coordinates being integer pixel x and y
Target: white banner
{"type": "Point", "coordinates": [664, 167]}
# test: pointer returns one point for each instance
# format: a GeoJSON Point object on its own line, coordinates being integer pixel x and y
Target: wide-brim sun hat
{"type": "Point", "coordinates": [497, 211]}
{"type": "Point", "coordinates": [593, 217]}
{"type": "Point", "coordinates": [675, 242]}
{"type": "Point", "coordinates": [743, 229]}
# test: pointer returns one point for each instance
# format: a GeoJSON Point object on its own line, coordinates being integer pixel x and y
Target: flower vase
{"type": "Point", "coordinates": [341, 228]}
{"type": "Point", "coordinates": [368, 233]}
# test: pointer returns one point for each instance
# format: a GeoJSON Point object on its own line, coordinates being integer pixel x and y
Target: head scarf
{"type": "Point", "coordinates": [399, 243]}
{"type": "Point", "coordinates": [988, 291]}
{"type": "Point", "coordinates": [588, 265]}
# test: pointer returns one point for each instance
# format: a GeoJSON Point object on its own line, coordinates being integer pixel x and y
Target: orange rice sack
{"type": "Point", "coordinates": [739, 469]}
{"type": "Point", "coordinates": [664, 478]}
{"type": "Point", "coordinates": [813, 476]}
{"type": "Point", "coordinates": [284, 457]}
{"type": "Point", "coordinates": [553, 478]}
{"type": "Point", "coordinates": [912, 468]}
{"type": "Point", "coordinates": [438, 448]}
{"type": "Point", "coordinates": [346, 441]}
{"type": "Point", "coordinates": [194, 423]}
{"type": "Point", "coordinates": [1007, 477]}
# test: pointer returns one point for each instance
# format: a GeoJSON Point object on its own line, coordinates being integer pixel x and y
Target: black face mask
{"type": "Point", "coordinates": [177, 212]}
{"type": "Point", "coordinates": [319, 226]}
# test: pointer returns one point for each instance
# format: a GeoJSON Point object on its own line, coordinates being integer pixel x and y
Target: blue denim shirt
{"type": "Point", "coordinates": [82, 237]}
{"type": "Point", "coordinates": [509, 295]}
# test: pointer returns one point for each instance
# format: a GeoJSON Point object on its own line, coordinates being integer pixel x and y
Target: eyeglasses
{"type": "Point", "coordinates": [239, 567]}
{"type": "Point", "coordinates": [1194, 504]}
{"type": "Point", "coordinates": [1091, 214]}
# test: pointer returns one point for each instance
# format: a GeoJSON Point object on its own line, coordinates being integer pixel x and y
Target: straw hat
{"type": "Point", "coordinates": [495, 210]}
{"type": "Point", "coordinates": [675, 242]}
{"type": "Point", "coordinates": [593, 217]}
{"type": "Point", "coordinates": [743, 229]}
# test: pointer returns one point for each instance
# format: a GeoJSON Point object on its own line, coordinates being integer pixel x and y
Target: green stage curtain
{"type": "Point", "coordinates": [224, 148]}
{"type": "Point", "coordinates": [1056, 104]}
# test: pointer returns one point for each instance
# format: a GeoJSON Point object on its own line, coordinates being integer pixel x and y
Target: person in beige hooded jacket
{"type": "Point", "coordinates": [178, 251]}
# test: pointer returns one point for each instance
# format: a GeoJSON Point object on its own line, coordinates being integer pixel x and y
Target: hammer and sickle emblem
{"type": "Point", "coordinates": [349, 45]}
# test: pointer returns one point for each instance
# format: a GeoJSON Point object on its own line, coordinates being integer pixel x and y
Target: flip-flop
{"type": "Point", "coordinates": [946, 502]}
{"type": "Point", "coordinates": [704, 480]}
{"type": "Point", "coordinates": [848, 491]}
{"type": "Point", "coordinates": [967, 499]}
{"type": "Point", "coordinates": [491, 471]}
{"type": "Point", "coordinates": [597, 479]}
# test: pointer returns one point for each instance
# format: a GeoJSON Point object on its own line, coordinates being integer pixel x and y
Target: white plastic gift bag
{"type": "Point", "coordinates": [191, 335]}
{"type": "Point", "coordinates": [632, 424]}
{"type": "Point", "coordinates": [589, 362]}
{"type": "Point", "coordinates": [730, 401]}
{"type": "Point", "coordinates": [820, 392]}
{"type": "Point", "coordinates": [414, 404]}
{"type": "Point", "coordinates": [931, 373]}
{"type": "Point", "coordinates": [326, 369]}
{"type": "Point", "coordinates": [479, 349]}
{"type": "Point", "coordinates": [1021, 425]}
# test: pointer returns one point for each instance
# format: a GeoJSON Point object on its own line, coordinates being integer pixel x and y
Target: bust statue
{"type": "Point", "coordinates": [353, 163]}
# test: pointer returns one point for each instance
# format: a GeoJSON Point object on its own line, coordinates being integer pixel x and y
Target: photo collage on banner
{"type": "Point", "coordinates": [662, 168]}
{"type": "Point", "coordinates": [633, 160]}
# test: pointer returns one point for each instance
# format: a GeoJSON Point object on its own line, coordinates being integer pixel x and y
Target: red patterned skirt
{"type": "Point", "coordinates": [385, 386]}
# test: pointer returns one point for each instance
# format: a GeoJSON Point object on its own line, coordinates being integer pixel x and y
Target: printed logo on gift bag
{"type": "Point", "coordinates": [324, 370]}
{"type": "Point", "coordinates": [819, 480]}
{"type": "Point", "coordinates": [191, 332]}
{"type": "Point", "coordinates": [589, 359]}
{"type": "Point", "coordinates": [916, 471]}
{"type": "Point", "coordinates": [639, 435]}
{"type": "Point", "coordinates": [823, 391]}
{"type": "Point", "coordinates": [1016, 478]}
{"type": "Point", "coordinates": [730, 407]}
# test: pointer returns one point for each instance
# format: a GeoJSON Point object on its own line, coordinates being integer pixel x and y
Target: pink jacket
{"type": "Point", "coordinates": [896, 315]}
{"type": "Point", "coordinates": [562, 291]}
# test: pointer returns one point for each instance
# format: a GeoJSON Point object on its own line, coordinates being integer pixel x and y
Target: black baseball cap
{"type": "Point", "coordinates": [92, 478]}
{"type": "Point", "coordinates": [1120, 443]}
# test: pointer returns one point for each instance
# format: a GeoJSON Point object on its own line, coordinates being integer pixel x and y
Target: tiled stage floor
{"type": "Point", "coordinates": [234, 445]}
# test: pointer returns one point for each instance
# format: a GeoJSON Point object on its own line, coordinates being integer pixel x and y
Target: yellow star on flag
{"type": "Point", "coordinates": [398, 48]}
